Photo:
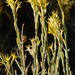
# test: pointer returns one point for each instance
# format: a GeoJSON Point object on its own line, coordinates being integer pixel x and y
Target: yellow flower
{"type": "Point", "coordinates": [54, 24]}
{"type": "Point", "coordinates": [13, 55]}
{"type": "Point", "coordinates": [10, 1]}
{"type": "Point", "coordinates": [32, 41]}
{"type": "Point", "coordinates": [7, 58]}
{"type": "Point", "coordinates": [14, 4]}
{"type": "Point", "coordinates": [38, 4]}
{"type": "Point", "coordinates": [33, 3]}
{"type": "Point", "coordinates": [42, 3]}
{"type": "Point", "coordinates": [28, 47]}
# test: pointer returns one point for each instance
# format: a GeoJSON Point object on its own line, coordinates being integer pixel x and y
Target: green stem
{"type": "Point", "coordinates": [23, 56]}
{"type": "Point", "coordinates": [36, 46]}
{"type": "Point", "coordinates": [19, 42]}
{"type": "Point", "coordinates": [44, 40]}
{"type": "Point", "coordinates": [65, 38]}
{"type": "Point", "coordinates": [58, 57]}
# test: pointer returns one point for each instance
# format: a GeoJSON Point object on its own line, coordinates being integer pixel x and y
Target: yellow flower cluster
{"type": "Point", "coordinates": [54, 24]}
{"type": "Point", "coordinates": [14, 4]}
{"type": "Point", "coordinates": [8, 59]}
{"type": "Point", "coordinates": [42, 3]}
{"type": "Point", "coordinates": [38, 4]}
{"type": "Point", "coordinates": [10, 3]}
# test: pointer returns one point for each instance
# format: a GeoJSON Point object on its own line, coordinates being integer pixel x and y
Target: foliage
{"type": "Point", "coordinates": [54, 53]}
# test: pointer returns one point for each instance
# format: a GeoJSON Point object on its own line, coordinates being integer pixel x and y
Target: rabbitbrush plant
{"type": "Point", "coordinates": [53, 53]}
